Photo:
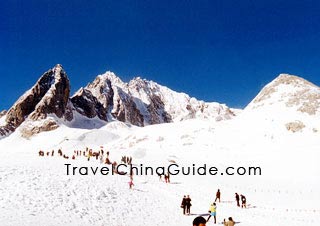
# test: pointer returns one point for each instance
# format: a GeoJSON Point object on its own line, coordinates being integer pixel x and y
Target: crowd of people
{"type": "Point", "coordinates": [101, 155]}
{"type": "Point", "coordinates": [87, 153]}
{"type": "Point", "coordinates": [166, 177]}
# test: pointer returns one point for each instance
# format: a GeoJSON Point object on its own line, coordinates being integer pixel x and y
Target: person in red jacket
{"type": "Point", "coordinates": [218, 195]}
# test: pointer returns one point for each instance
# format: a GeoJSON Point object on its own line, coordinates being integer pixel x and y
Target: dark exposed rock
{"type": "Point", "coordinates": [88, 105]}
{"type": "Point", "coordinates": [125, 110]}
{"type": "Point", "coordinates": [26, 104]}
{"type": "Point", "coordinates": [7, 129]}
{"type": "Point", "coordinates": [157, 111]}
{"type": "Point", "coordinates": [50, 95]}
{"type": "Point", "coordinates": [56, 99]}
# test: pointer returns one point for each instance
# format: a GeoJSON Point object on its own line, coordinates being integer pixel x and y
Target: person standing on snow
{"type": "Point", "coordinates": [213, 212]}
{"type": "Point", "coordinates": [188, 204]}
{"type": "Point", "coordinates": [243, 201]}
{"type": "Point", "coordinates": [183, 204]}
{"type": "Point", "coordinates": [238, 199]}
{"type": "Point", "coordinates": [131, 183]}
{"type": "Point", "coordinates": [168, 177]}
{"type": "Point", "coordinates": [218, 194]}
{"type": "Point", "coordinates": [165, 178]}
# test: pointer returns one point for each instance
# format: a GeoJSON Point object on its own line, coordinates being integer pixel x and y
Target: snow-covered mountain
{"type": "Point", "coordinates": [140, 102]}
{"type": "Point", "coordinates": [290, 101]}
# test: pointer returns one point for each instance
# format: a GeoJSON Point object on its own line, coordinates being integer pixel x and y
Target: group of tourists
{"type": "Point", "coordinates": [166, 177]}
{"type": "Point", "coordinates": [200, 221]}
{"type": "Point", "coordinates": [243, 200]}
{"type": "Point", "coordinates": [100, 155]}
{"type": "Point", "coordinates": [87, 153]}
{"type": "Point", "coordinates": [186, 205]}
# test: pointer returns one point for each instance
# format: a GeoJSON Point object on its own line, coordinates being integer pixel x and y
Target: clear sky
{"type": "Point", "coordinates": [215, 50]}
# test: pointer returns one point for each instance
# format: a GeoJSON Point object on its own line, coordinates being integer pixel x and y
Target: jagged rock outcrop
{"type": "Point", "coordinates": [50, 95]}
{"type": "Point", "coordinates": [88, 105]}
{"type": "Point", "coordinates": [57, 96]}
{"type": "Point", "coordinates": [125, 109]}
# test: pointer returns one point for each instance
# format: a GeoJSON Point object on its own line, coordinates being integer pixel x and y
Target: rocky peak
{"type": "Point", "coordinates": [49, 95]}
{"type": "Point", "coordinates": [291, 92]}
{"type": "Point", "coordinates": [56, 97]}
{"type": "Point", "coordinates": [104, 79]}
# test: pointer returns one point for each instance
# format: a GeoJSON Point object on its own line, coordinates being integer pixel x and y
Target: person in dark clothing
{"type": "Point", "coordinates": [166, 178]}
{"type": "Point", "coordinates": [243, 201]}
{"type": "Point", "coordinates": [183, 204]}
{"type": "Point", "coordinates": [188, 204]}
{"type": "Point", "coordinates": [238, 199]}
{"type": "Point", "coordinates": [218, 194]}
{"type": "Point", "coordinates": [199, 221]}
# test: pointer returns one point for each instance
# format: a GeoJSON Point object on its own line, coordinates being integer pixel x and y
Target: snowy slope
{"type": "Point", "coordinates": [41, 191]}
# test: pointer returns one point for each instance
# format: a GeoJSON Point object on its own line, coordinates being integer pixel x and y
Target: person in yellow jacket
{"type": "Point", "coordinates": [213, 212]}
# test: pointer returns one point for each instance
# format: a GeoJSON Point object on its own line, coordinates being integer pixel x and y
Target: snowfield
{"type": "Point", "coordinates": [36, 190]}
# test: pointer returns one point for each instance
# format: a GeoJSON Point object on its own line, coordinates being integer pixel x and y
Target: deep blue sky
{"type": "Point", "coordinates": [221, 50]}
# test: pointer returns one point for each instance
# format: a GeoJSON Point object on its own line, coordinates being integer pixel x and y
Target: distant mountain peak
{"type": "Point", "coordinates": [109, 76]}
{"type": "Point", "coordinates": [289, 91]}
{"type": "Point", "coordinates": [59, 72]}
{"type": "Point", "coordinates": [293, 80]}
